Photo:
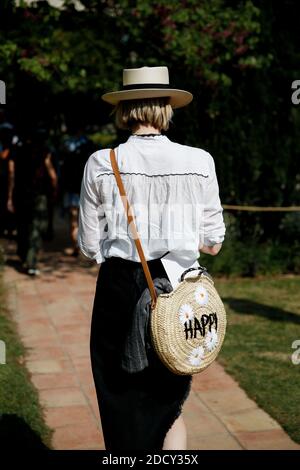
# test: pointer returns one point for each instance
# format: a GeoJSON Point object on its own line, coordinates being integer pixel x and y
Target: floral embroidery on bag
{"type": "Point", "coordinates": [186, 313]}
{"type": "Point", "coordinates": [201, 295]}
{"type": "Point", "coordinates": [211, 340]}
{"type": "Point", "coordinates": [196, 356]}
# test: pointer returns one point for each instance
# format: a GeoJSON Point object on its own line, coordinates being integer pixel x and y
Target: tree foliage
{"type": "Point", "coordinates": [237, 58]}
{"type": "Point", "coordinates": [84, 50]}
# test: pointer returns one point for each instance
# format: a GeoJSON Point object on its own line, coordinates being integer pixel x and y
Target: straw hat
{"type": "Point", "coordinates": [148, 82]}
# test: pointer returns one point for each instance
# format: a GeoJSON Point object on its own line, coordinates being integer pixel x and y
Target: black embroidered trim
{"type": "Point", "coordinates": [152, 176]}
{"type": "Point", "coordinates": [146, 135]}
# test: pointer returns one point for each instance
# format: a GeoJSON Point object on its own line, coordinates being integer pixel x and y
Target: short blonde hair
{"type": "Point", "coordinates": [156, 112]}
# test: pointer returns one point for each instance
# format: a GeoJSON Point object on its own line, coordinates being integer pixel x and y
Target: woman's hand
{"type": "Point", "coordinates": [53, 177]}
{"type": "Point", "coordinates": [10, 205]}
{"type": "Point", "coordinates": [4, 154]}
{"type": "Point", "coordinates": [211, 250]}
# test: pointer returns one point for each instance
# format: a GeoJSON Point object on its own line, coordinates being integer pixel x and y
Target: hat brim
{"type": "Point", "coordinates": [178, 98]}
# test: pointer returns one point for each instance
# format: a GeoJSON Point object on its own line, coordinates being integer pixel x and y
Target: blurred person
{"type": "Point", "coordinates": [6, 140]}
{"type": "Point", "coordinates": [30, 172]}
{"type": "Point", "coordinates": [75, 152]}
{"type": "Point", "coordinates": [52, 194]}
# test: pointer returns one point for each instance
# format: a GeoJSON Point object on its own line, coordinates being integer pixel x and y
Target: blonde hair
{"type": "Point", "coordinates": [156, 112]}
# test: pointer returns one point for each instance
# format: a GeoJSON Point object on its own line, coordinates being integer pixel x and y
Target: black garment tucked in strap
{"type": "Point", "coordinates": [138, 342]}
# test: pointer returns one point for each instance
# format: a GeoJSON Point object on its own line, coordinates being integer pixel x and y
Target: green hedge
{"type": "Point", "coordinates": [251, 257]}
{"type": "Point", "coordinates": [22, 424]}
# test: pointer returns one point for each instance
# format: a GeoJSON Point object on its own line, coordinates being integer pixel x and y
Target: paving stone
{"type": "Point", "coordinates": [62, 416]}
{"type": "Point", "coordinates": [226, 401]}
{"type": "Point", "coordinates": [222, 441]}
{"type": "Point", "coordinates": [47, 352]}
{"type": "Point", "coordinates": [85, 436]}
{"type": "Point", "coordinates": [213, 378]}
{"type": "Point", "coordinates": [54, 380]}
{"type": "Point", "coordinates": [61, 397]}
{"type": "Point", "coordinates": [79, 349]}
{"type": "Point", "coordinates": [200, 422]}
{"type": "Point", "coordinates": [274, 439]}
{"type": "Point", "coordinates": [249, 420]}
{"type": "Point", "coordinates": [64, 318]}
{"type": "Point", "coordinates": [44, 366]}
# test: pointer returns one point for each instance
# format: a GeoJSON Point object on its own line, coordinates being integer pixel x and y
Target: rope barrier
{"type": "Point", "coordinates": [261, 209]}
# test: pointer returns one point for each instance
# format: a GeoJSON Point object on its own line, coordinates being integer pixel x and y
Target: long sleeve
{"type": "Point", "coordinates": [91, 224]}
{"type": "Point", "coordinates": [213, 223]}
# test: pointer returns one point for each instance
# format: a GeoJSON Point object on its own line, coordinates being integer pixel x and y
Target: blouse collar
{"type": "Point", "coordinates": [141, 138]}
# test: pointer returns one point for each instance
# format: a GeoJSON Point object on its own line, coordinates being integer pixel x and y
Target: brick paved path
{"type": "Point", "coordinates": [53, 316]}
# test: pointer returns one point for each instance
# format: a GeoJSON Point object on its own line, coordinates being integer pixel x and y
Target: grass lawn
{"type": "Point", "coordinates": [263, 322]}
{"type": "Point", "coordinates": [21, 420]}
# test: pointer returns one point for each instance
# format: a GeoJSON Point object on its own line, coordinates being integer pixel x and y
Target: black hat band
{"type": "Point", "coordinates": [146, 85]}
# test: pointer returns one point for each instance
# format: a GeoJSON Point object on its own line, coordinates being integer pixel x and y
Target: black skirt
{"type": "Point", "coordinates": [136, 410]}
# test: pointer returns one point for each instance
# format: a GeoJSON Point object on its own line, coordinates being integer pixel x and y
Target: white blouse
{"type": "Point", "coordinates": [174, 193]}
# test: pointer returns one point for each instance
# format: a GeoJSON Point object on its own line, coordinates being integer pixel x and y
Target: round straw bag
{"type": "Point", "coordinates": [187, 325]}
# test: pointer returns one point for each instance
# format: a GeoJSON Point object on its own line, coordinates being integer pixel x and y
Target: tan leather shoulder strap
{"type": "Point", "coordinates": [132, 227]}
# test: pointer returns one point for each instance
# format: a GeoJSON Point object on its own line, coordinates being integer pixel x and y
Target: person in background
{"type": "Point", "coordinates": [75, 151]}
{"type": "Point", "coordinates": [6, 137]}
{"type": "Point", "coordinates": [30, 170]}
{"type": "Point", "coordinates": [52, 194]}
